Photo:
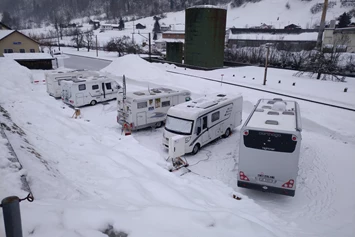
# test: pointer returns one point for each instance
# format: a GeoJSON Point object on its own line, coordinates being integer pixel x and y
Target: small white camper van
{"type": "Point", "coordinates": [269, 148]}
{"type": "Point", "coordinates": [91, 90]}
{"type": "Point", "coordinates": [54, 78]}
{"type": "Point", "coordinates": [148, 108]}
{"type": "Point", "coordinates": [203, 120]}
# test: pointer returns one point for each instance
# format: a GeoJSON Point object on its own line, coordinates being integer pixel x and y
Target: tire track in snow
{"type": "Point", "coordinates": [317, 184]}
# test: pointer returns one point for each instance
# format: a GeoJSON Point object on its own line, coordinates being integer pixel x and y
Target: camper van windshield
{"type": "Point", "coordinates": [270, 141]}
{"type": "Point", "coordinates": [179, 126]}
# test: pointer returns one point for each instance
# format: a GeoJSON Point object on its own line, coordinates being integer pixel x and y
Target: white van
{"type": "Point", "coordinates": [148, 108]}
{"type": "Point", "coordinates": [90, 90]}
{"type": "Point", "coordinates": [203, 120]}
{"type": "Point", "coordinates": [54, 78]}
{"type": "Point", "coordinates": [269, 148]}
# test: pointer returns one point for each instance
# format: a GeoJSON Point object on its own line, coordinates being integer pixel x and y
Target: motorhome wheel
{"type": "Point", "coordinates": [158, 124]}
{"type": "Point", "coordinates": [196, 149]}
{"type": "Point", "coordinates": [227, 133]}
{"type": "Point", "coordinates": [93, 102]}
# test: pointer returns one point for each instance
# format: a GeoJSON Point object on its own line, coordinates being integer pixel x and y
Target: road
{"type": "Point", "coordinates": [79, 62]}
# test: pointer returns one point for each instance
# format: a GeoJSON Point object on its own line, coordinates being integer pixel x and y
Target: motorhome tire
{"type": "Point", "coordinates": [196, 149]}
{"type": "Point", "coordinates": [158, 124]}
{"type": "Point", "coordinates": [93, 102]}
{"type": "Point", "coordinates": [227, 133]}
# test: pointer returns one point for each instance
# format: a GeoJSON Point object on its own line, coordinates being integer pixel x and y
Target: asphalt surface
{"type": "Point", "coordinates": [80, 62]}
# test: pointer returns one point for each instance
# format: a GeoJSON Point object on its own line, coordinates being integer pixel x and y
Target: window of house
{"type": "Point", "coordinates": [95, 87]}
{"type": "Point", "coordinates": [8, 50]}
{"type": "Point", "coordinates": [215, 116]}
{"type": "Point", "coordinates": [82, 87]}
{"type": "Point", "coordinates": [108, 86]}
{"type": "Point", "coordinates": [22, 51]}
{"type": "Point", "coordinates": [32, 50]}
{"type": "Point", "coordinates": [165, 103]}
{"type": "Point", "coordinates": [141, 105]}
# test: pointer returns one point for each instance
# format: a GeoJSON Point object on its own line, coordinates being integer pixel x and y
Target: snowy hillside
{"type": "Point", "coordinates": [86, 176]}
{"type": "Point", "coordinates": [271, 12]}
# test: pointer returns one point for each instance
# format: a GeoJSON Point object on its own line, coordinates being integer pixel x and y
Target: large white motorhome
{"type": "Point", "coordinates": [90, 90]}
{"type": "Point", "coordinates": [269, 147]}
{"type": "Point", "coordinates": [148, 108]}
{"type": "Point", "coordinates": [54, 78]}
{"type": "Point", "coordinates": [203, 120]}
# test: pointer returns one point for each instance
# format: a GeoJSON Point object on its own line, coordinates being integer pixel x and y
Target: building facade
{"type": "Point", "coordinates": [339, 39]}
{"type": "Point", "coordinates": [12, 41]}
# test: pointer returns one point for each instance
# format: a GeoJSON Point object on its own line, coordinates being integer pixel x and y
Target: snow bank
{"type": "Point", "coordinates": [86, 177]}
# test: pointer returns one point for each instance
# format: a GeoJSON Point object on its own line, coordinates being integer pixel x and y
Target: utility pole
{"type": "Point", "coordinates": [97, 50]}
{"type": "Point", "coordinates": [266, 62]}
{"type": "Point", "coordinates": [322, 25]}
{"type": "Point", "coordinates": [150, 49]}
{"type": "Point", "coordinates": [58, 40]}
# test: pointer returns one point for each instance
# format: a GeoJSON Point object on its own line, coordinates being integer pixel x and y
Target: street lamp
{"type": "Point", "coordinates": [267, 46]}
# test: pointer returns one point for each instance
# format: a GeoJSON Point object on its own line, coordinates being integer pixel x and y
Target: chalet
{"type": "Point", "coordinates": [283, 39]}
{"type": "Point", "coordinates": [139, 26]}
{"type": "Point", "coordinates": [13, 41]}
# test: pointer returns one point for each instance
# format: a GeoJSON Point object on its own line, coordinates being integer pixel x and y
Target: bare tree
{"type": "Point", "coordinates": [122, 45]}
{"type": "Point", "coordinates": [89, 38]}
{"type": "Point", "coordinates": [78, 38]}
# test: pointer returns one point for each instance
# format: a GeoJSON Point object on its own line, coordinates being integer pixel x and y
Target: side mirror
{"type": "Point", "coordinates": [198, 130]}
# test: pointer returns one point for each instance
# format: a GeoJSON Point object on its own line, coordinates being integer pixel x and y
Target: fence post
{"type": "Point", "coordinates": [12, 216]}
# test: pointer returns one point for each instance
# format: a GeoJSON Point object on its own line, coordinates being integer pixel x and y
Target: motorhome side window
{"type": "Point", "coordinates": [157, 103]}
{"type": "Point", "coordinates": [204, 122]}
{"type": "Point", "coordinates": [108, 86]}
{"type": "Point", "coordinates": [215, 116]}
{"type": "Point", "coordinates": [82, 87]}
{"type": "Point", "coordinates": [141, 105]}
{"type": "Point", "coordinates": [198, 126]}
{"type": "Point", "coordinates": [95, 87]}
{"type": "Point", "coordinates": [165, 103]}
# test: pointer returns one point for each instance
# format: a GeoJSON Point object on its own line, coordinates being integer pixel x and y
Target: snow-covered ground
{"type": "Point", "coordinates": [86, 176]}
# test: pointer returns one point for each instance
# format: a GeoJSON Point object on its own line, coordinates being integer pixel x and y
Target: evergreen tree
{"type": "Point", "coordinates": [156, 28]}
{"type": "Point", "coordinates": [6, 19]}
{"type": "Point", "coordinates": [344, 20]}
{"type": "Point", "coordinates": [121, 24]}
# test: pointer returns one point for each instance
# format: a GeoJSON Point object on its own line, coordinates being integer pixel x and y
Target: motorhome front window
{"type": "Point", "coordinates": [270, 141]}
{"type": "Point", "coordinates": [179, 126]}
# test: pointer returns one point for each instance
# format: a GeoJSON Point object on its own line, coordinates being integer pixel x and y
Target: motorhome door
{"type": "Point", "coordinates": [141, 118]}
{"type": "Point", "coordinates": [175, 99]}
{"type": "Point", "coordinates": [95, 91]}
{"type": "Point", "coordinates": [205, 131]}
{"type": "Point", "coordinates": [103, 90]}
{"type": "Point", "coordinates": [109, 91]}
{"type": "Point", "coordinates": [79, 99]}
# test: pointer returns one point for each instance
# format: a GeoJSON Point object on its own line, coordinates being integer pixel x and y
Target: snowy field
{"type": "Point", "coordinates": [86, 176]}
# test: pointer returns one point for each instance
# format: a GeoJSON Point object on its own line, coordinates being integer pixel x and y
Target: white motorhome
{"type": "Point", "coordinates": [203, 120]}
{"type": "Point", "coordinates": [269, 148]}
{"type": "Point", "coordinates": [54, 78]}
{"type": "Point", "coordinates": [148, 108]}
{"type": "Point", "coordinates": [91, 90]}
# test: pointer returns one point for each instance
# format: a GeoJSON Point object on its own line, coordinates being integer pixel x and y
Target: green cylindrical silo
{"type": "Point", "coordinates": [205, 28]}
{"type": "Point", "coordinates": [174, 51]}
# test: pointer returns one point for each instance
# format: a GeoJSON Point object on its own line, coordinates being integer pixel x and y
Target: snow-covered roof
{"type": "Point", "coordinates": [153, 93]}
{"type": "Point", "coordinates": [27, 56]}
{"type": "Point", "coordinates": [170, 40]}
{"type": "Point", "coordinates": [208, 6]}
{"type": "Point", "coordinates": [180, 32]}
{"type": "Point", "coordinates": [192, 109]}
{"type": "Point", "coordinates": [262, 36]}
{"type": "Point", "coordinates": [274, 114]}
{"type": "Point", "coordinates": [4, 33]}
